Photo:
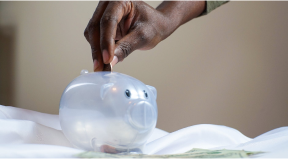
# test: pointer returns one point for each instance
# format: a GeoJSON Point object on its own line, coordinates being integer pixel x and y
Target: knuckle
{"type": "Point", "coordinates": [86, 33]}
{"type": "Point", "coordinates": [143, 35]}
{"type": "Point", "coordinates": [126, 49]}
{"type": "Point", "coordinates": [106, 19]}
{"type": "Point", "coordinates": [122, 4]}
{"type": "Point", "coordinates": [144, 32]}
{"type": "Point", "coordinates": [91, 26]}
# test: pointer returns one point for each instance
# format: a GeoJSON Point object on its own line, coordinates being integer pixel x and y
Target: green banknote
{"type": "Point", "coordinates": [194, 153]}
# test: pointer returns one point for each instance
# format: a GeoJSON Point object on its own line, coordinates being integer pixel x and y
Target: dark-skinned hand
{"type": "Point", "coordinates": [117, 28]}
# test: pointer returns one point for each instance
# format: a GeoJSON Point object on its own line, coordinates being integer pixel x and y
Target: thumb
{"type": "Point", "coordinates": [129, 43]}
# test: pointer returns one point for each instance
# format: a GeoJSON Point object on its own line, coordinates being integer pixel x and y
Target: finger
{"type": "Point", "coordinates": [136, 39]}
{"type": "Point", "coordinates": [92, 34]}
{"type": "Point", "coordinates": [113, 14]}
{"type": "Point", "coordinates": [114, 61]}
{"type": "Point", "coordinates": [95, 20]}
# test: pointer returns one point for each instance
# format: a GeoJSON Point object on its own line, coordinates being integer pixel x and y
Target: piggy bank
{"type": "Point", "coordinates": [108, 112]}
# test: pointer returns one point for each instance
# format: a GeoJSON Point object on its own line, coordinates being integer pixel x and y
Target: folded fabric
{"type": "Point", "coordinates": [26, 133]}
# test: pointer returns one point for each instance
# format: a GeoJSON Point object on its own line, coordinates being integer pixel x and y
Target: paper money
{"type": "Point", "coordinates": [194, 153]}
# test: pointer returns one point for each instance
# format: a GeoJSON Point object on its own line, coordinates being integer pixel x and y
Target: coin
{"type": "Point", "coordinates": [107, 67]}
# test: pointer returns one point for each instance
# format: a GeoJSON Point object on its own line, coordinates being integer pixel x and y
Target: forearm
{"type": "Point", "coordinates": [181, 11]}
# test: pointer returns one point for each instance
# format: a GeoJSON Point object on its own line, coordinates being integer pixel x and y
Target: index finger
{"type": "Point", "coordinates": [92, 34]}
{"type": "Point", "coordinates": [113, 14]}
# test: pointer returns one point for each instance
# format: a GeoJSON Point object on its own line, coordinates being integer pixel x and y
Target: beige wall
{"type": "Point", "coordinates": [228, 68]}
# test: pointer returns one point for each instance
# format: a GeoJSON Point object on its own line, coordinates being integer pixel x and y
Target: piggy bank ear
{"type": "Point", "coordinates": [153, 90]}
{"type": "Point", "coordinates": [105, 89]}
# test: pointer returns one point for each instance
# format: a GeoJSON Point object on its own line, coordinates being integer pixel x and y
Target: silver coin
{"type": "Point", "coordinates": [107, 67]}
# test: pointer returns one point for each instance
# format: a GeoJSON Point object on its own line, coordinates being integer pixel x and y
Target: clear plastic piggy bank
{"type": "Point", "coordinates": [108, 112]}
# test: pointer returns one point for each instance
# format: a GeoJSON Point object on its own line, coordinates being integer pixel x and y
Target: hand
{"type": "Point", "coordinates": [117, 28]}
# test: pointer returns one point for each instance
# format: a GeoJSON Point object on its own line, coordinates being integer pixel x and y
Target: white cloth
{"type": "Point", "coordinates": [26, 133]}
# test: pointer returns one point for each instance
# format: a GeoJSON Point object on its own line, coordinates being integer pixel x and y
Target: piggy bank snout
{"type": "Point", "coordinates": [142, 115]}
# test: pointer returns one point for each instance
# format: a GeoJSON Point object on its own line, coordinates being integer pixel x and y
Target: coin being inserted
{"type": "Point", "coordinates": [107, 67]}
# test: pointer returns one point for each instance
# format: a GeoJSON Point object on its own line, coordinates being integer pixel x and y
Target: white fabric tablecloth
{"type": "Point", "coordinates": [26, 133]}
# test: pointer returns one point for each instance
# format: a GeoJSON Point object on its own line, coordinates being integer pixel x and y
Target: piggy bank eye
{"type": "Point", "coordinates": [127, 93]}
{"type": "Point", "coordinates": [145, 93]}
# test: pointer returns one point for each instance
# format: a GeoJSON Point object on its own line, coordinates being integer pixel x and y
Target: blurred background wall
{"type": "Point", "coordinates": [228, 68]}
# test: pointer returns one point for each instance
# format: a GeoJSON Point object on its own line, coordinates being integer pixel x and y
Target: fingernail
{"type": "Point", "coordinates": [96, 63]}
{"type": "Point", "coordinates": [114, 61]}
{"type": "Point", "coordinates": [105, 56]}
